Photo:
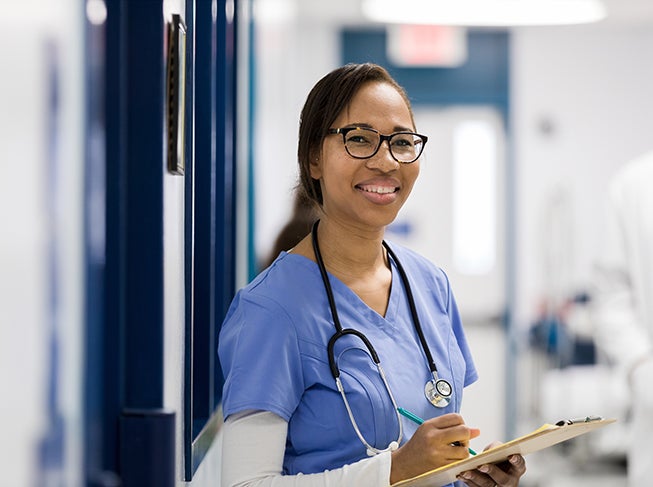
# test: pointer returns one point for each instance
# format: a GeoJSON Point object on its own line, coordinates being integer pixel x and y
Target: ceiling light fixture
{"type": "Point", "coordinates": [485, 13]}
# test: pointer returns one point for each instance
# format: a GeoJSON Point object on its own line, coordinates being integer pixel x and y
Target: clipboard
{"type": "Point", "coordinates": [543, 437]}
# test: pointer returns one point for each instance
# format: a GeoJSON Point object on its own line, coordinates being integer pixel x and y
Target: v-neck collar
{"type": "Point", "coordinates": [341, 290]}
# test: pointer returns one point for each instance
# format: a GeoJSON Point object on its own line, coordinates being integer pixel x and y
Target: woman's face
{"type": "Point", "coordinates": [366, 193]}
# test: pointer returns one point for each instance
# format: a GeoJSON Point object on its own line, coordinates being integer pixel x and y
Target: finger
{"type": "Point", "coordinates": [497, 475]}
{"type": "Point", "coordinates": [506, 473]}
{"type": "Point", "coordinates": [473, 478]}
{"type": "Point", "coordinates": [453, 452]}
{"type": "Point", "coordinates": [487, 476]}
{"type": "Point", "coordinates": [517, 464]}
{"type": "Point", "coordinates": [494, 444]}
{"type": "Point", "coordinates": [447, 420]}
{"type": "Point", "coordinates": [462, 449]}
{"type": "Point", "coordinates": [460, 434]}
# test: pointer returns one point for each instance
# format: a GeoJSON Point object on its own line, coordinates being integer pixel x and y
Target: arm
{"type": "Point", "coordinates": [252, 456]}
{"type": "Point", "coordinates": [619, 331]}
{"type": "Point", "coordinates": [619, 326]}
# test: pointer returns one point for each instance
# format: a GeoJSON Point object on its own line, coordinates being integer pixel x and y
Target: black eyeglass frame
{"type": "Point", "coordinates": [345, 130]}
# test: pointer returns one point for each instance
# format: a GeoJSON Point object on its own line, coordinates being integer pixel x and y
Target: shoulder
{"type": "Point", "coordinates": [641, 166]}
{"type": "Point", "coordinates": [417, 262]}
{"type": "Point", "coordinates": [267, 310]}
{"type": "Point", "coordinates": [421, 270]}
{"type": "Point", "coordinates": [273, 294]}
{"type": "Point", "coordinates": [629, 190]}
{"type": "Point", "coordinates": [634, 174]}
{"type": "Point", "coordinates": [288, 273]}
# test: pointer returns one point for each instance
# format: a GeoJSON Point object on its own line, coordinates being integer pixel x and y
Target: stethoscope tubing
{"type": "Point", "coordinates": [436, 399]}
{"type": "Point", "coordinates": [350, 331]}
{"type": "Point", "coordinates": [413, 310]}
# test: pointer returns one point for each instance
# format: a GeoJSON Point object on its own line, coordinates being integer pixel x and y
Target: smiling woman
{"type": "Point", "coordinates": [329, 415]}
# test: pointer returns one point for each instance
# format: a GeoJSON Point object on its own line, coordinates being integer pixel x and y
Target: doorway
{"type": "Point", "coordinates": [455, 217]}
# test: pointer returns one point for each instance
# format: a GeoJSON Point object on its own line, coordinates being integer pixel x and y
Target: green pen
{"type": "Point", "coordinates": [418, 420]}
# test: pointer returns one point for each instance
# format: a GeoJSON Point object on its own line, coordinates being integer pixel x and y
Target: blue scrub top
{"type": "Point", "coordinates": [273, 352]}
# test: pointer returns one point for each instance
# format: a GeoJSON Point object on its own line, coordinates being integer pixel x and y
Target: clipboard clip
{"type": "Point", "coordinates": [586, 419]}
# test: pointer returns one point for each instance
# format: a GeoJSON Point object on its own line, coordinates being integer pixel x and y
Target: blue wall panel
{"type": "Point", "coordinates": [483, 79]}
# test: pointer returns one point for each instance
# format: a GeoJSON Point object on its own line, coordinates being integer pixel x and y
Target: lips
{"type": "Point", "coordinates": [368, 188]}
{"type": "Point", "coordinates": [380, 191]}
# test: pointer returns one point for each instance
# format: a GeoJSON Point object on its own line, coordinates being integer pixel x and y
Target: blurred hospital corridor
{"type": "Point", "coordinates": [150, 160]}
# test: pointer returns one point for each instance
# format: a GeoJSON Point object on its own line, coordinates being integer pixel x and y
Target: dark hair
{"type": "Point", "coordinates": [328, 98]}
{"type": "Point", "coordinates": [295, 229]}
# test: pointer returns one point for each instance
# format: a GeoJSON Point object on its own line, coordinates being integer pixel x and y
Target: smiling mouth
{"type": "Point", "coordinates": [378, 189]}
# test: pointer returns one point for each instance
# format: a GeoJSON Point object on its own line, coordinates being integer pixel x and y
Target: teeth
{"type": "Point", "coordinates": [379, 189]}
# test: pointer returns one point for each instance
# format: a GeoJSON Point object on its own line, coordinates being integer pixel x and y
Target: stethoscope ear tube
{"type": "Point", "coordinates": [325, 278]}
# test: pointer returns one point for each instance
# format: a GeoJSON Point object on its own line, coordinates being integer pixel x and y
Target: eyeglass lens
{"type": "Point", "coordinates": [363, 143]}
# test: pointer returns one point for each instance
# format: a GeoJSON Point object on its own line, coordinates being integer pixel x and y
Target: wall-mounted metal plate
{"type": "Point", "coordinates": [176, 94]}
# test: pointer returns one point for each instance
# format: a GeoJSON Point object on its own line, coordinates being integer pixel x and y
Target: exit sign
{"type": "Point", "coordinates": [426, 45]}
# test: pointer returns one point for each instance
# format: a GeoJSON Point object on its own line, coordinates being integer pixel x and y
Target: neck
{"type": "Point", "coordinates": [350, 253]}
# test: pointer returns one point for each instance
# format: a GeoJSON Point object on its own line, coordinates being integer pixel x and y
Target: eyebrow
{"type": "Point", "coordinates": [397, 128]}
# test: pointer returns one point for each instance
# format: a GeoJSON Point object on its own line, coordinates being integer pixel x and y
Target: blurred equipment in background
{"type": "Point", "coordinates": [561, 334]}
{"type": "Point", "coordinates": [567, 377]}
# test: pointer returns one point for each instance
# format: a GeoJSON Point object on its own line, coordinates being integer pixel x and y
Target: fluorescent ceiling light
{"type": "Point", "coordinates": [484, 12]}
{"type": "Point", "coordinates": [274, 11]}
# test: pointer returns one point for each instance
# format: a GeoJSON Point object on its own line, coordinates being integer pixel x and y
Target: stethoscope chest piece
{"type": "Point", "coordinates": [438, 392]}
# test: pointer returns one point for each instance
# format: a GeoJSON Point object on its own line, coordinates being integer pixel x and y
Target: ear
{"type": "Point", "coordinates": [316, 167]}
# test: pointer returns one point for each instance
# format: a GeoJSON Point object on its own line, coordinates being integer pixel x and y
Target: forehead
{"type": "Point", "coordinates": [379, 105]}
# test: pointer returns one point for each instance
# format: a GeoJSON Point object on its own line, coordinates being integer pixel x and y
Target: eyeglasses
{"type": "Point", "coordinates": [363, 143]}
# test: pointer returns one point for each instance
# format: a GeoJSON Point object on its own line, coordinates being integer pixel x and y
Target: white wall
{"type": "Point", "coordinates": [291, 58]}
{"type": "Point", "coordinates": [40, 243]}
{"type": "Point", "coordinates": [593, 86]}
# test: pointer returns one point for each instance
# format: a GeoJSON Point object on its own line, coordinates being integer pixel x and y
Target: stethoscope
{"type": "Point", "coordinates": [437, 391]}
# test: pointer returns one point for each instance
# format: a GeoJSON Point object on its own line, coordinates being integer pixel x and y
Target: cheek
{"type": "Point", "coordinates": [411, 177]}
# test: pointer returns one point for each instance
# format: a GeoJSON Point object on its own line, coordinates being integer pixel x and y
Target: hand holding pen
{"type": "Point", "coordinates": [416, 419]}
{"type": "Point", "coordinates": [500, 475]}
{"type": "Point", "coordinates": [437, 442]}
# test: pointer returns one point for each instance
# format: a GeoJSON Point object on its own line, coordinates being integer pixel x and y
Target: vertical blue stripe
{"type": "Point", "coordinates": [252, 264]}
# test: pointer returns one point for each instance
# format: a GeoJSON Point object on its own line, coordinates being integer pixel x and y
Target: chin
{"type": "Point", "coordinates": [380, 220]}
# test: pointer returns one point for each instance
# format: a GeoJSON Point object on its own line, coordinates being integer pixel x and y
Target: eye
{"type": "Point", "coordinates": [357, 139]}
{"type": "Point", "coordinates": [403, 140]}
{"type": "Point", "coordinates": [362, 137]}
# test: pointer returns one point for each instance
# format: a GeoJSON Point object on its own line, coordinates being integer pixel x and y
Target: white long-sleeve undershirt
{"type": "Point", "coordinates": [253, 450]}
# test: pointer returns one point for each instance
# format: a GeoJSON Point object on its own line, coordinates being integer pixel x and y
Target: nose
{"type": "Point", "coordinates": [383, 159]}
